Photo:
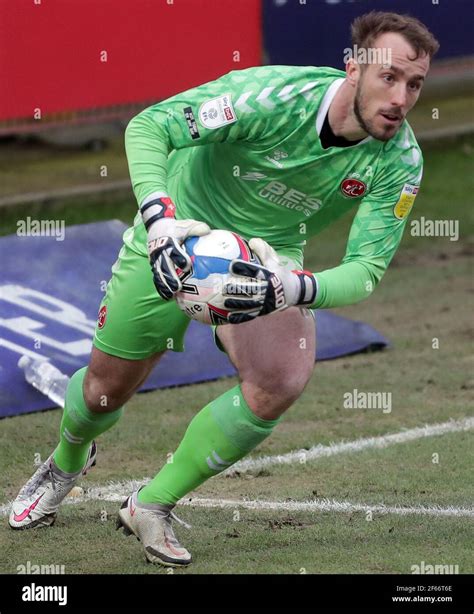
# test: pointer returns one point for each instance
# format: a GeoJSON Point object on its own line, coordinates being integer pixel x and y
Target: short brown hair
{"type": "Point", "coordinates": [366, 28]}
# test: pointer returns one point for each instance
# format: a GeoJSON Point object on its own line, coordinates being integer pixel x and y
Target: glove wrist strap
{"type": "Point", "coordinates": [308, 289]}
{"type": "Point", "coordinates": [156, 207]}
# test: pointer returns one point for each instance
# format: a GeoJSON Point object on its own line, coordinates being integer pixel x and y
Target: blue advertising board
{"type": "Point", "coordinates": [50, 292]}
{"type": "Point", "coordinates": [316, 32]}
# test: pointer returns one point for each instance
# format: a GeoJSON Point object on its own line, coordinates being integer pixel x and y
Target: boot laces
{"type": "Point", "coordinates": [45, 473]}
{"type": "Point", "coordinates": [178, 520]}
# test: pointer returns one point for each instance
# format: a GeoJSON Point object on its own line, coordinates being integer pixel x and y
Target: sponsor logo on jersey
{"type": "Point", "coordinates": [102, 316]}
{"type": "Point", "coordinates": [280, 194]}
{"type": "Point", "coordinates": [405, 201]}
{"type": "Point", "coordinates": [191, 121]}
{"type": "Point", "coordinates": [217, 112]}
{"type": "Point", "coordinates": [229, 114]}
{"type": "Point", "coordinates": [353, 188]}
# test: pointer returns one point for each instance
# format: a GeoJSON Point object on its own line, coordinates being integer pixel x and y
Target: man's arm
{"type": "Point", "coordinates": [203, 115]}
{"type": "Point", "coordinates": [227, 109]}
{"type": "Point", "coordinates": [374, 237]}
{"type": "Point", "coordinates": [375, 234]}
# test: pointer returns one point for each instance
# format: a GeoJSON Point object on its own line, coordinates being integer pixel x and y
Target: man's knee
{"type": "Point", "coordinates": [111, 381]}
{"type": "Point", "coordinates": [289, 385]}
{"type": "Point", "coordinates": [102, 395]}
{"type": "Point", "coordinates": [271, 392]}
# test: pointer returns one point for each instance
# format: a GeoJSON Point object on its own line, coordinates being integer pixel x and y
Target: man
{"type": "Point", "coordinates": [276, 153]}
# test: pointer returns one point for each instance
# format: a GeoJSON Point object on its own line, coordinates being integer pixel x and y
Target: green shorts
{"type": "Point", "coordinates": [134, 321]}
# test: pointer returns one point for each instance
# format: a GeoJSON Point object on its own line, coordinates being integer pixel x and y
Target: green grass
{"type": "Point", "coordinates": [84, 539]}
{"type": "Point", "coordinates": [427, 293]}
{"type": "Point", "coordinates": [450, 111]}
{"type": "Point", "coordinates": [30, 166]}
{"type": "Point", "coordinates": [257, 543]}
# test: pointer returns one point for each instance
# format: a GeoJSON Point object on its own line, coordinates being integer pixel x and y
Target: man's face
{"type": "Point", "coordinates": [385, 94]}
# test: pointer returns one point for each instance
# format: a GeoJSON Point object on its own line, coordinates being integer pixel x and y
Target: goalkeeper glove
{"type": "Point", "coordinates": [267, 287]}
{"type": "Point", "coordinates": [166, 236]}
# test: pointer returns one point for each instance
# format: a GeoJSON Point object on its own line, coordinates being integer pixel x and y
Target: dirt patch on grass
{"type": "Point", "coordinates": [289, 521]}
{"type": "Point", "coordinates": [435, 254]}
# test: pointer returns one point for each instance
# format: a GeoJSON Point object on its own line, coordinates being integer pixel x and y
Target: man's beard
{"type": "Point", "coordinates": [366, 124]}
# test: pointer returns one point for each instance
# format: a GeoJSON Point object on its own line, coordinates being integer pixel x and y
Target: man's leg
{"type": "Point", "coordinates": [85, 416]}
{"type": "Point", "coordinates": [274, 356]}
{"type": "Point", "coordinates": [135, 329]}
{"type": "Point", "coordinates": [94, 403]}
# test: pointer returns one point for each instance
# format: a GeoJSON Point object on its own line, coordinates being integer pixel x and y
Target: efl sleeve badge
{"type": "Point", "coordinates": [406, 200]}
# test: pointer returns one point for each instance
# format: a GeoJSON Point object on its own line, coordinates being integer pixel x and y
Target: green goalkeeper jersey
{"type": "Point", "coordinates": [243, 153]}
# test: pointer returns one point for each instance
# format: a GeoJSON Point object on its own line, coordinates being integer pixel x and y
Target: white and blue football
{"type": "Point", "coordinates": [201, 296]}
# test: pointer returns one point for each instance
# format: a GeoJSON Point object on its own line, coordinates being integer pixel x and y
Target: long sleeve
{"type": "Point", "coordinates": [234, 107]}
{"type": "Point", "coordinates": [375, 233]}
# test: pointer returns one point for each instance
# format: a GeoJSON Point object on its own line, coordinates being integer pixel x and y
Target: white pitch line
{"type": "Point", "coordinates": [382, 441]}
{"type": "Point", "coordinates": [117, 491]}
{"type": "Point", "coordinates": [327, 505]}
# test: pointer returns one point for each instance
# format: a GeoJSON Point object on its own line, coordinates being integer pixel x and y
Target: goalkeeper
{"type": "Point", "coordinates": [275, 154]}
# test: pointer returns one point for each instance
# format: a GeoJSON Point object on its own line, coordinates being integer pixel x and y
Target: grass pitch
{"type": "Point", "coordinates": [426, 295]}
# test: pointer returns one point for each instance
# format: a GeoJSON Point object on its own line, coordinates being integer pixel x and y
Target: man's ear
{"type": "Point", "coordinates": [353, 72]}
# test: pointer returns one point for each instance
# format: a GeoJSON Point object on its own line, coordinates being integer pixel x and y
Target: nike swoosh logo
{"type": "Point", "coordinates": [24, 513]}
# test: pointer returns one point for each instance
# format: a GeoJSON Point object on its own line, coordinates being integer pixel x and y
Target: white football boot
{"type": "Point", "coordinates": [151, 524]}
{"type": "Point", "coordinates": [37, 503]}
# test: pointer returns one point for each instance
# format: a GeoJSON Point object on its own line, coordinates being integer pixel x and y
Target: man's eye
{"type": "Point", "coordinates": [388, 78]}
{"type": "Point", "coordinates": [415, 86]}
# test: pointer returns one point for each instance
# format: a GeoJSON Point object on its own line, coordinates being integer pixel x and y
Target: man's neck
{"type": "Point", "coordinates": [341, 116]}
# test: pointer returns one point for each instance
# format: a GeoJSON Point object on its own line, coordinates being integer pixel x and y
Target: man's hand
{"type": "Point", "coordinates": [259, 289]}
{"type": "Point", "coordinates": [166, 236]}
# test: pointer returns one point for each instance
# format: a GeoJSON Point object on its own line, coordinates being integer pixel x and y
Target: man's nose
{"type": "Point", "coordinates": [399, 96]}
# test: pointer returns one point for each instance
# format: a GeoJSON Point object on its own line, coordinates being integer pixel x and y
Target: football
{"type": "Point", "coordinates": [201, 297]}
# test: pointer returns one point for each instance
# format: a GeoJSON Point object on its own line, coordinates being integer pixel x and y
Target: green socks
{"type": "Point", "coordinates": [218, 436]}
{"type": "Point", "coordinates": [79, 426]}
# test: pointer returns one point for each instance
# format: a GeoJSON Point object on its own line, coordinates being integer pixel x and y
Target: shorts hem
{"type": "Point", "coordinates": [100, 345]}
